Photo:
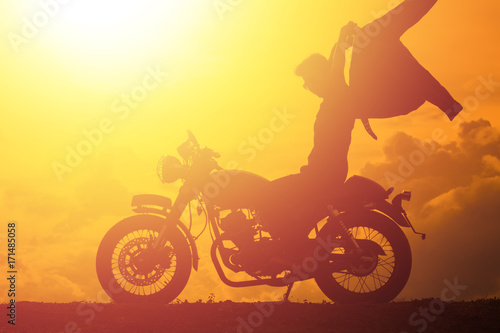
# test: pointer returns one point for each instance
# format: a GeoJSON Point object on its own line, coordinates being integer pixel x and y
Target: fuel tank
{"type": "Point", "coordinates": [230, 189]}
{"type": "Point", "coordinates": [233, 189]}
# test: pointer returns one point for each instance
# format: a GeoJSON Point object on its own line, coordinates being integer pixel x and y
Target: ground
{"type": "Point", "coordinates": [427, 315]}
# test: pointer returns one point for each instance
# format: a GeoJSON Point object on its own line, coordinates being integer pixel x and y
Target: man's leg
{"type": "Point", "coordinates": [398, 20]}
{"type": "Point", "coordinates": [290, 213]}
{"type": "Point", "coordinates": [279, 198]}
{"type": "Point", "coordinates": [427, 86]}
{"type": "Point", "coordinates": [393, 83]}
{"type": "Point", "coordinates": [438, 95]}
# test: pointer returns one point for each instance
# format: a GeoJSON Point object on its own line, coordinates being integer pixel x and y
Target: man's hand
{"type": "Point", "coordinates": [337, 57]}
{"type": "Point", "coordinates": [347, 33]}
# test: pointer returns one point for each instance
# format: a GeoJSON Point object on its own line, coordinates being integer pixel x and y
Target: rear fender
{"type": "Point", "coordinates": [153, 204]}
{"type": "Point", "coordinates": [392, 212]}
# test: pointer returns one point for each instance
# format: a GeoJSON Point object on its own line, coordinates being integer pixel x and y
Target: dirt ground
{"type": "Point", "coordinates": [427, 315]}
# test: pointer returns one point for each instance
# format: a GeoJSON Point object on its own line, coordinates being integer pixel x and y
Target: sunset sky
{"type": "Point", "coordinates": [222, 69]}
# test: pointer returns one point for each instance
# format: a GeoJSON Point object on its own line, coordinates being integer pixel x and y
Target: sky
{"type": "Point", "coordinates": [122, 82]}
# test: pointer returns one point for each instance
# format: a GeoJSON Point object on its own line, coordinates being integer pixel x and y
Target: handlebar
{"type": "Point", "coordinates": [190, 149]}
{"type": "Point", "coordinates": [193, 140]}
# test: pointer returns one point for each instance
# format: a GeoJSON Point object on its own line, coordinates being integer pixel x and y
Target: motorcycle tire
{"type": "Point", "coordinates": [128, 268]}
{"type": "Point", "coordinates": [379, 281]}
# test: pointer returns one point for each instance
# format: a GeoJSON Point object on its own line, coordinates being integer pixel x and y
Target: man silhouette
{"type": "Point", "coordinates": [295, 202]}
{"type": "Point", "coordinates": [385, 81]}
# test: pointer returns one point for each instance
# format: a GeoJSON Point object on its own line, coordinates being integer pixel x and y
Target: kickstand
{"type": "Point", "coordinates": [287, 293]}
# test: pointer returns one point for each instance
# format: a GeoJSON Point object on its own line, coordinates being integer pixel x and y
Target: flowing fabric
{"type": "Point", "coordinates": [385, 78]}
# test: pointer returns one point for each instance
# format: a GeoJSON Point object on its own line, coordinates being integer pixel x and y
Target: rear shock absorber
{"type": "Point", "coordinates": [334, 213]}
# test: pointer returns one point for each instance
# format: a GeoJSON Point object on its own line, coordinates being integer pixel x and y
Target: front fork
{"type": "Point", "coordinates": [186, 194]}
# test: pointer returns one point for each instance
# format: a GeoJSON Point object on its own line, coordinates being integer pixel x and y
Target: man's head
{"type": "Point", "coordinates": [315, 70]}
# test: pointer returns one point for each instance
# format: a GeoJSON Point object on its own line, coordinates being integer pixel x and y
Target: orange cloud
{"type": "Point", "coordinates": [456, 186]}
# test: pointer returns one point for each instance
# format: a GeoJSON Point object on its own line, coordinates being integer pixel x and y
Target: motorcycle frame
{"type": "Point", "coordinates": [160, 205]}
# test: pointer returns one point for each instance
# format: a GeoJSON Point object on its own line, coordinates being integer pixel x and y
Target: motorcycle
{"type": "Point", "coordinates": [360, 253]}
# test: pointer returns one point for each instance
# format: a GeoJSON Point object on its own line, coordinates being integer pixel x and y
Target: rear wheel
{"type": "Point", "coordinates": [131, 270]}
{"type": "Point", "coordinates": [367, 275]}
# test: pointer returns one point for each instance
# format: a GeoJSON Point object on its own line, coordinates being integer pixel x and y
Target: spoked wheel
{"type": "Point", "coordinates": [130, 269]}
{"type": "Point", "coordinates": [377, 272]}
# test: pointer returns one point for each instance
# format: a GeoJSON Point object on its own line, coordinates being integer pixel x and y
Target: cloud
{"type": "Point", "coordinates": [99, 192]}
{"type": "Point", "coordinates": [36, 282]}
{"type": "Point", "coordinates": [456, 186]}
{"type": "Point", "coordinates": [60, 226]}
{"type": "Point", "coordinates": [32, 200]}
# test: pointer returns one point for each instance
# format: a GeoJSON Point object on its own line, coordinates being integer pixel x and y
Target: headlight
{"type": "Point", "coordinates": [170, 169]}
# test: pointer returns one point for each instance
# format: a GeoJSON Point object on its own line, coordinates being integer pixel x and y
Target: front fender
{"type": "Point", "coordinates": [153, 204]}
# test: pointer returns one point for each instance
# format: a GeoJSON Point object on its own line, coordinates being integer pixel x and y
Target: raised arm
{"type": "Point", "coordinates": [337, 61]}
{"type": "Point", "coordinates": [337, 56]}
{"type": "Point", "coordinates": [397, 21]}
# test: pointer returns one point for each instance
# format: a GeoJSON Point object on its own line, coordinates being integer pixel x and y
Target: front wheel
{"type": "Point", "coordinates": [130, 269]}
{"type": "Point", "coordinates": [377, 272]}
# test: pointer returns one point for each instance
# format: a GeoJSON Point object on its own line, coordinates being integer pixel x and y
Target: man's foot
{"type": "Point", "coordinates": [454, 110]}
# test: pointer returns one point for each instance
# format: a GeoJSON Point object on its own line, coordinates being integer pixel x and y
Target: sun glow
{"type": "Point", "coordinates": [99, 40]}
{"type": "Point", "coordinates": [82, 88]}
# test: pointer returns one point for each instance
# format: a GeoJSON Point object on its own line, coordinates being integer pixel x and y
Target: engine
{"type": "Point", "coordinates": [253, 251]}
{"type": "Point", "coordinates": [237, 228]}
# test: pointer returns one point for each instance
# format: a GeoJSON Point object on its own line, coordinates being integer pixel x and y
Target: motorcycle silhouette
{"type": "Point", "coordinates": [360, 253]}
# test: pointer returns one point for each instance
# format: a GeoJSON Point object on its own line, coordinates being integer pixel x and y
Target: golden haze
{"type": "Point", "coordinates": [220, 77]}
